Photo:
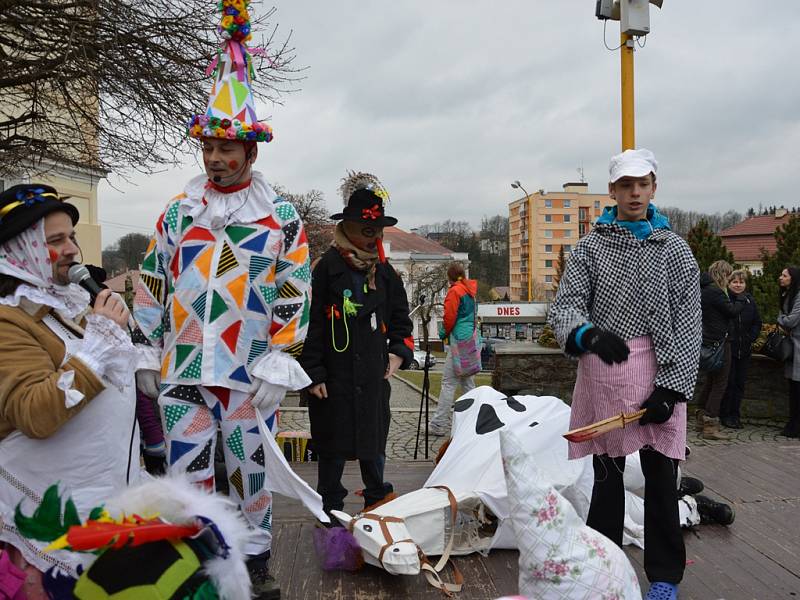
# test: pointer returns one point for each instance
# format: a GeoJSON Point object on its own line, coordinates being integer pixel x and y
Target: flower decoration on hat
{"type": "Point", "coordinates": [231, 112]}
{"type": "Point", "coordinates": [31, 195]}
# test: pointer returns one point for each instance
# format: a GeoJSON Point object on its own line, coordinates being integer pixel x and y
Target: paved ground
{"type": "Point", "coordinates": [405, 417]}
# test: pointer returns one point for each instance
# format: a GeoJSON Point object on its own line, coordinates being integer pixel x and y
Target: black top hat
{"type": "Point", "coordinates": [365, 206]}
{"type": "Point", "coordinates": [23, 205]}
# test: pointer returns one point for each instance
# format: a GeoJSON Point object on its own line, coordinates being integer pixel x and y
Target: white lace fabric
{"type": "Point", "coordinates": [213, 209]}
{"type": "Point", "coordinates": [107, 350]}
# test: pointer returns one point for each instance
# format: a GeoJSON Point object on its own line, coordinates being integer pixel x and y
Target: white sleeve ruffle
{"type": "Point", "coordinates": [71, 396]}
{"type": "Point", "coordinates": [147, 357]}
{"type": "Point", "coordinates": [281, 369]}
{"type": "Point", "coordinates": [107, 350]}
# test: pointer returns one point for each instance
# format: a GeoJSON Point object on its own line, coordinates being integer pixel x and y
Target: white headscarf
{"type": "Point", "coordinates": [25, 257]}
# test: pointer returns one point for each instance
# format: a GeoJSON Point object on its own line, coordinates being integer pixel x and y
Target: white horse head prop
{"type": "Point", "coordinates": [385, 541]}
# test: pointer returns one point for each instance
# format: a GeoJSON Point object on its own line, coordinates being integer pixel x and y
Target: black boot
{"type": "Point", "coordinates": [690, 486]}
{"type": "Point", "coordinates": [264, 585]}
{"type": "Point", "coordinates": [714, 512]}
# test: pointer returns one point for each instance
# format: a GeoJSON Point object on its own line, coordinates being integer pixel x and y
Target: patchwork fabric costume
{"type": "Point", "coordinates": [223, 297]}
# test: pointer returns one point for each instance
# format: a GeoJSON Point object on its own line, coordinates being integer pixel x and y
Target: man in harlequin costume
{"type": "Point", "coordinates": [223, 297]}
{"type": "Point", "coordinates": [359, 335]}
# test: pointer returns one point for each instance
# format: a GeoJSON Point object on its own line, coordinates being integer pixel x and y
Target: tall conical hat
{"type": "Point", "coordinates": [231, 109]}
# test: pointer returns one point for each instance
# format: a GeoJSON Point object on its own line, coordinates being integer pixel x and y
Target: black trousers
{"type": "Point", "coordinates": [664, 552]}
{"type": "Point", "coordinates": [329, 482]}
{"type": "Point", "coordinates": [732, 400]}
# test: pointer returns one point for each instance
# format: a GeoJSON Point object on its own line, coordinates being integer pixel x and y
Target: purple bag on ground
{"type": "Point", "coordinates": [337, 549]}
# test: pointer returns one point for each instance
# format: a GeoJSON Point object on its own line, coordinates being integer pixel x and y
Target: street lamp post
{"type": "Point", "coordinates": [516, 184]}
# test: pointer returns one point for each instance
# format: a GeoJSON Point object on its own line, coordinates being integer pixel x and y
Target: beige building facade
{"type": "Point", "coordinates": [539, 225]}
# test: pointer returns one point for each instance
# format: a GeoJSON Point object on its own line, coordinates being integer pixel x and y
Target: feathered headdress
{"type": "Point", "coordinates": [362, 181]}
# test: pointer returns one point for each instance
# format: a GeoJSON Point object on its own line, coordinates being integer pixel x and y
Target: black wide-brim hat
{"type": "Point", "coordinates": [23, 205]}
{"type": "Point", "coordinates": [366, 207]}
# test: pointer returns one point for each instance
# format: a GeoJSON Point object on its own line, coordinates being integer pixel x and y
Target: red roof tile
{"type": "Point", "coordinates": [748, 247]}
{"type": "Point", "coordinates": [403, 241]}
{"type": "Point", "coordinates": [761, 225]}
{"type": "Point", "coordinates": [117, 283]}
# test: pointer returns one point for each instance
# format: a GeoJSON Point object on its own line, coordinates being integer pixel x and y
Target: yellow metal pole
{"type": "Point", "coordinates": [626, 78]}
{"type": "Point", "coordinates": [530, 245]}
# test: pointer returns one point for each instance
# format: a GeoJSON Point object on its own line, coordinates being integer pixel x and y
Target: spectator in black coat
{"type": "Point", "coordinates": [743, 332]}
{"type": "Point", "coordinates": [718, 310]}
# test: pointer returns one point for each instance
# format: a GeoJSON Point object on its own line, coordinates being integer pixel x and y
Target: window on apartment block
{"type": "Point", "coordinates": [583, 215]}
{"type": "Point", "coordinates": [567, 247]}
{"type": "Point", "coordinates": [567, 218]}
{"type": "Point", "coordinates": [548, 218]}
{"type": "Point", "coordinates": [548, 233]}
{"type": "Point", "coordinates": [568, 233]}
{"type": "Point", "coordinates": [597, 203]}
{"type": "Point", "coordinates": [582, 229]}
{"type": "Point", "coordinates": [548, 203]}
{"type": "Point", "coordinates": [548, 248]}
{"type": "Point", "coordinates": [548, 279]}
{"type": "Point", "coordinates": [548, 264]}
{"type": "Point", "coordinates": [567, 203]}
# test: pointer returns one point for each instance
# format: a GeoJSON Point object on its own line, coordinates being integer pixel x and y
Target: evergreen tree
{"type": "Point", "coordinates": [707, 246]}
{"type": "Point", "coordinates": [765, 286]}
{"type": "Point", "coordinates": [561, 265]}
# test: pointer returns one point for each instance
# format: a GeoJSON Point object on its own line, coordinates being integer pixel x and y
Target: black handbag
{"type": "Point", "coordinates": [712, 356]}
{"type": "Point", "coordinates": [778, 346]}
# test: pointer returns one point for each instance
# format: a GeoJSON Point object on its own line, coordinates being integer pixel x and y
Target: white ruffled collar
{"type": "Point", "coordinates": [71, 302]}
{"type": "Point", "coordinates": [212, 209]}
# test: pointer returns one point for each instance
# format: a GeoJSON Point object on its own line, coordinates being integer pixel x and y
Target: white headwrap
{"type": "Point", "coordinates": [25, 257]}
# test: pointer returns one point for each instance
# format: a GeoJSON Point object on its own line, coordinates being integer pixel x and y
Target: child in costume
{"type": "Point", "coordinates": [359, 335]}
{"type": "Point", "coordinates": [629, 307]}
{"type": "Point", "coordinates": [223, 298]}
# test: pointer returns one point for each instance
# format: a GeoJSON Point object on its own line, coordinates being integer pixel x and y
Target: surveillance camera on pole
{"type": "Point", "coordinates": [633, 15]}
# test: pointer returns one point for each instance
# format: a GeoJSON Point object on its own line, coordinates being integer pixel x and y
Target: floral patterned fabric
{"type": "Point", "coordinates": [560, 557]}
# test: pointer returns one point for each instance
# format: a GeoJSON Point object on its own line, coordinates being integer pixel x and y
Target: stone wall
{"type": "Point", "coordinates": [532, 369]}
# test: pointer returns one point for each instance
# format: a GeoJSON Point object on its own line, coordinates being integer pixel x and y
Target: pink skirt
{"type": "Point", "coordinates": [603, 391]}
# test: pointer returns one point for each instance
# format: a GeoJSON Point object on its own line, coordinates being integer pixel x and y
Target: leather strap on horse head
{"type": "Point", "coordinates": [382, 520]}
{"type": "Point", "coordinates": [432, 572]}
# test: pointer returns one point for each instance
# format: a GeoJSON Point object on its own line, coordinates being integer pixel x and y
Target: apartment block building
{"type": "Point", "coordinates": [539, 225]}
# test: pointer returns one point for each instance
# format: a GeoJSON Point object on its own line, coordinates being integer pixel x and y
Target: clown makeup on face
{"type": "Point", "coordinates": [61, 244]}
{"type": "Point", "coordinates": [362, 235]}
{"type": "Point", "coordinates": [228, 162]}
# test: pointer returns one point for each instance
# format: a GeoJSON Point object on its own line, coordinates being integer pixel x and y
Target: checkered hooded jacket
{"type": "Point", "coordinates": [635, 287]}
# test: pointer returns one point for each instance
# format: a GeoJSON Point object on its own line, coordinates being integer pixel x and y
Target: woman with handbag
{"type": "Point", "coordinates": [789, 319]}
{"type": "Point", "coordinates": [745, 329]}
{"type": "Point", "coordinates": [718, 310]}
{"type": "Point", "coordinates": [463, 353]}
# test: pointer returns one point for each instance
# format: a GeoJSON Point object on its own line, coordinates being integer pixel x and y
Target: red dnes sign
{"type": "Point", "coordinates": [508, 311]}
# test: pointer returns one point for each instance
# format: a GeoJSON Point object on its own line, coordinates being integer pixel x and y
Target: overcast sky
{"type": "Point", "coordinates": [447, 102]}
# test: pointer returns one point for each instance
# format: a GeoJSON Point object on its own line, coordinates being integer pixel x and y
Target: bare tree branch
{"type": "Point", "coordinates": [110, 84]}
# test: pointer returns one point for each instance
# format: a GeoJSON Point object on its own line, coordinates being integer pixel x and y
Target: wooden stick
{"type": "Point", "coordinates": [589, 432]}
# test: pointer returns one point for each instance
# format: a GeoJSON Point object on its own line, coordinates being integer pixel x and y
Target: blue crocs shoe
{"type": "Point", "coordinates": [660, 590]}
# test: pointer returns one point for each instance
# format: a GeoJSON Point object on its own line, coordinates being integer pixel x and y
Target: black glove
{"type": "Point", "coordinates": [659, 406]}
{"type": "Point", "coordinates": [608, 346]}
{"type": "Point", "coordinates": [155, 465]}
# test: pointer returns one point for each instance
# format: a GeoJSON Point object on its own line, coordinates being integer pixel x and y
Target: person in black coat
{"type": "Point", "coordinates": [744, 330]}
{"type": "Point", "coordinates": [718, 310]}
{"type": "Point", "coordinates": [359, 334]}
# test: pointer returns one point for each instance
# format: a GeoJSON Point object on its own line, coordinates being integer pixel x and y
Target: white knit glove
{"type": "Point", "coordinates": [148, 382]}
{"type": "Point", "coordinates": [267, 396]}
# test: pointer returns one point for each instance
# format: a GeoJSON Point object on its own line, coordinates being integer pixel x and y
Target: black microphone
{"type": "Point", "coordinates": [79, 274]}
{"type": "Point", "coordinates": [422, 298]}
